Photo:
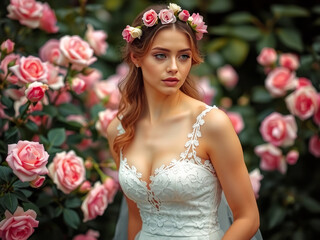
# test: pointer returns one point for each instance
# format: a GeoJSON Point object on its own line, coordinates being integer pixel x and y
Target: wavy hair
{"type": "Point", "coordinates": [132, 88]}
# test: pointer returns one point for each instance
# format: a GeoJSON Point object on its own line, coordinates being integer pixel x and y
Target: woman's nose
{"type": "Point", "coordinates": [173, 67]}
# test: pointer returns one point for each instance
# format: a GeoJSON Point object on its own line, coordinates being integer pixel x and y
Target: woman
{"type": "Point", "coordinates": [174, 153]}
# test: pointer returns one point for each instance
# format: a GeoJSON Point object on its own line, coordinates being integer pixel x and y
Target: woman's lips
{"type": "Point", "coordinates": [171, 82]}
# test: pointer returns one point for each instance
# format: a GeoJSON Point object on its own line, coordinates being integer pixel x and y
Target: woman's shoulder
{"type": "Point", "coordinates": [112, 129]}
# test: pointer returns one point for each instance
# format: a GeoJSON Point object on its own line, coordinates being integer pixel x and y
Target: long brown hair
{"type": "Point", "coordinates": [132, 89]}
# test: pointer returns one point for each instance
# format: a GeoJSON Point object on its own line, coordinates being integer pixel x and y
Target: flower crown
{"type": "Point", "coordinates": [166, 16]}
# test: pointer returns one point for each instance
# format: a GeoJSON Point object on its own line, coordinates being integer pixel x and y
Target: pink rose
{"type": "Point", "coordinates": [236, 120]}
{"type": "Point", "coordinates": [97, 40]}
{"type": "Point", "coordinates": [54, 79]}
{"type": "Point", "coordinates": [303, 102]}
{"type": "Point", "coordinates": [303, 82]}
{"type": "Point", "coordinates": [105, 117]}
{"type": "Point", "coordinates": [91, 78]}
{"type": "Point", "coordinates": [76, 51]}
{"type": "Point", "coordinates": [112, 186]}
{"type": "Point", "coordinates": [48, 20]}
{"type": "Point", "coordinates": [67, 171]}
{"type": "Point", "coordinates": [27, 160]}
{"type": "Point", "coordinates": [90, 235]}
{"type": "Point", "coordinates": [18, 225]}
{"type": "Point", "coordinates": [27, 12]}
{"type": "Point", "coordinates": [126, 34]}
{"type": "Point", "coordinates": [167, 16]}
{"type": "Point", "coordinates": [279, 81]}
{"type": "Point", "coordinates": [267, 56]}
{"type": "Point", "coordinates": [36, 183]}
{"type": "Point", "coordinates": [279, 130]}
{"type": "Point", "coordinates": [60, 98]}
{"type": "Point", "coordinates": [314, 145]}
{"type": "Point", "coordinates": [206, 91]}
{"type": "Point", "coordinates": [30, 69]}
{"type": "Point", "coordinates": [7, 46]}
{"type": "Point", "coordinates": [9, 60]}
{"type": "Point", "coordinates": [78, 85]}
{"type": "Point", "coordinates": [227, 76]}
{"type": "Point", "coordinates": [85, 187]}
{"type": "Point", "coordinates": [292, 157]}
{"type": "Point", "coordinates": [198, 24]}
{"type": "Point", "coordinates": [316, 116]}
{"type": "Point", "coordinates": [255, 178]}
{"type": "Point", "coordinates": [271, 158]}
{"type": "Point", "coordinates": [184, 15]}
{"type": "Point", "coordinates": [289, 60]}
{"type": "Point", "coordinates": [95, 202]}
{"type": "Point", "coordinates": [108, 91]}
{"type": "Point", "coordinates": [150, 18]}
{"type": "Point", "coordinates": [50, 51]}
{"type": "Point", "coordinates": [35, 91]}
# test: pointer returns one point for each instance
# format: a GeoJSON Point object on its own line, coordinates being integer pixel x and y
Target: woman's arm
{"type": "Point", "coordinates": [226, 154]}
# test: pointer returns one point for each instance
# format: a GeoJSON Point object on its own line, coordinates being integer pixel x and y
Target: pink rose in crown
{"type": "Point", "coordinates": [236, 120]}
{"type": "Point", "coordinates": [19, 225]}
{"type": "Point", "coordinates": [97, 40]}
{"type": "Point", "coordinates": [7, 46]}
{"type": "Point", "coordinates": [50, 51]}
{"type": "Point", "coordinates": [35, 91]}
{"type": "Point", "coordinates": [314, 145]}
{"type": "Point", "coordinates": [303, 102]}
{"type": "Point", "coordinates": [167, 16]}
{"type": "Point", "coordinates": [76, 51]}
{"type": "Point", "coordinates": [198, 24]}
{"type": "Point", "coordinates": [255, 178]}
{"type": "Point", "coordinates": [227, 76]}
{"type": "Point", "coordinates": [27, 12]}
{"type": "Point", "coordinates": [150, 18]}
{"type": "Point", "coordinates": [279, 130]}
{"type": "Point", "coordinates": [27, 160]}
{"type": "Point", "coordinates": [279, 81]}
{"type": "Point", "coordinates": [90, 235]}
{"type": "Point", "coordinates": [48, 20]}
{"type": "Point", "coordinates": [67, 171]}
{"type": "Point", "coordinates": [95, 202]}
{"type": "Point", "coordinates": [289, 60]}
{"type": "Point", "coordinates": [271, 158]}
{"type": "Point", "coordinates": [184, 15]}
{"type": "Point", "coordinates": [11, 59]}
{"type": "Point", "coordinates": [126, 34]}
{"type": "Point", "coordinates": [30, 69]}
{"type": "Point", "coordinates": [105, 117]}
{"type": "Point", "coordinates": [267, 56]}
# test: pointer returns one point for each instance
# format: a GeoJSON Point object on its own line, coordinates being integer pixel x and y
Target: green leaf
{"type": "Point", "coordinates": [261, 95]}
{"type": "Point", "coordinates": [19, 184]}
{"type": "Point", "coordinates": [69, 109]}
{"type": "Point", "coordinates": [30, 205]}
{"type": "Point", "coordinates": [219, 6]}
{"type": "Point", "coordinates": [290, 38]}
{"type": "Point", "coordinates": [310, 204]}
{"type": "Point", "coordinates": [5, 173]}
{"type": "Point", "coordinates": [53, 150]}
{"type": "Point", "coordinates": [236, 51]}
{"type": "Point", "coordinates": [277, 215]}
{"type": "Point", "coordinates": [10, 202]}
{"type": "Point", "coordinates": [289, 11]}
{"type": "Point", "coordinates": [240, 18]}
{"type": "Point", "coordinates": [50, 110]}
{"type": "Point", "coordinates": [246, 32]}
{"type": "Point", "coordinates": [72, 203]}
{"type": "Point", "coordinates": [32, 126]}
{"type": "Point", "coordinates": [267, 40]}
{"type": "Point", "coordinates": [71, 218]}
{"type": "Point", "coordinates": [94, 111]}
{"type": "Point", "coordinates": [44, 140]}
{"type": "Point", "coordinates": [58, 211]}
{"type": "Point", "coordinates": [216, 44]}
{"type": "Point", "coordinates": [75, 138]}
{"type": "Point", "coordinates": [6, 101]}
{"type": "Point", "coordinates": [44, 200]}
{"type": "Point", "coordinates": [57, 136]}
{"type": "Point", "coordinates": [12, 135]}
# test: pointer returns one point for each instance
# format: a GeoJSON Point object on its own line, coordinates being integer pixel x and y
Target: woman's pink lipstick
{"type": "Point", "coordinates": [171, 82]}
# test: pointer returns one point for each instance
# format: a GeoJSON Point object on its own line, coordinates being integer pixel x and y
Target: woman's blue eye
{"type": "Point", "coordinates": [160, 56]}
{"type": "Point", "coordinates": [185, 57]}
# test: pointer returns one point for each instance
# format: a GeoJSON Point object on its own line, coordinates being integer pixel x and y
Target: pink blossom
{"type": "Point", "coordinates": [150, 18]}
{"type": "Point", "coordinates": [303, 102]}
{"type": "Point", "coordinates": [95, 202]}
{"type": "Point", "coordinates": [27, 12]}
{"type": "Point", "coordinates": [30, 69]}
{"type": "Point", "coordinates": [36, 183]}
{"type": "Point", "coordinates": [19, 225]}
{"type": "Point", "coordinates": [130, 33]}
{"type": "Point", "coordinates": [236, 120]}
{"type": "Point", "coordinates": [206, 91]}
{"type": "Point", "coordinates": [76, 51]}
{"type": "Point", "coordinates": [279, 130]}
{"type": "Point", "coordinates": [167, 16]}
{"type": "Point", "coordinates": [198, 24]}
{"type": "Point", "coordinates": [39, 120]}
{"type": "Point", "coordinates": [279, 81]}
{"type": "Point", "coordinates": [78, 85]}
{"type": "Point", "coordinates": [292, 157]}
{"type": "Point", "coordinates": [112, 186]}
{"type": "Point", "coordinates": [271, 158]}
{"type": "Point", "coordinates": [97, 40]}
{"type": "Point", "coordinates": [85, 187]}
{"type": "Point", "coordinates": [105, 117]}
{"type": "Point", "coordinates": [184, 15]}
{"type": "Point", "coordinates": [9, 60]}
{"type": "Point", "coordinates": [227, 76]}
{"type": "Point", "coordinates": [27, 160]}
{"type": "Point", "coordinates": [48, 20]}
{"type": "Point", "coordinates": [90, 79]}
{"type": "Point", "coordinates": [35, 91]}
{"type": "Point", "coordinates": [59, 98]}
{"type": "Point", "coordinates": [108, 91]}
{"type": "Point", "coordinates": [90, 235]}
{"type": "Point", "coordinates": [267, 56]}
{"type": "Point", "coordinates": [54, 79]}
{"type": "Point", "coordinates": [7, 46]}
{"type": "Point", "coordinates": [314, 145]}
{"type": "Point", "coordinates": [50, 51]}
{"type": "Point", "coordinates": [255, 178]}
{"type": "Point", "coordinates": [67, 171]}
{"type": "Point", "coordinates": [303, 82]}
{"type": "Point", "coordinates": [290, 61]}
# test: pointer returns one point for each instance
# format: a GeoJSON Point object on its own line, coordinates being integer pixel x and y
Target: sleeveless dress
{"type": "Point", "coordinates": [182, 199]}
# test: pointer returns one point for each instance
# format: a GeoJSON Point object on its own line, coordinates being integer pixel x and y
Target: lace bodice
{"type": "Point", "coordinates": [182, 198]}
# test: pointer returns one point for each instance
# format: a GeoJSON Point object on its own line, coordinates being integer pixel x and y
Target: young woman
{"type": "Point", "coordinates": [175, 154]}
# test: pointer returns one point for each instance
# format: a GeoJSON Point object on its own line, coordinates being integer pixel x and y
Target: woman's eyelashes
{"type": "Point", "coordinates": [162, 56]}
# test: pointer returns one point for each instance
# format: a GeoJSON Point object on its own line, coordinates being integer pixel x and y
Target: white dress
{"type": "Point", "coordinates": [182, 199]}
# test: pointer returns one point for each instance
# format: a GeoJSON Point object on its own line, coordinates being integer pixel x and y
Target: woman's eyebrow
{"type": "Point", "coordinates": [167, 50]}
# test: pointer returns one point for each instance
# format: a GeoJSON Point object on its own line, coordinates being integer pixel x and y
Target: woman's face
{"type": "Point", "coordinates": [167, 64]}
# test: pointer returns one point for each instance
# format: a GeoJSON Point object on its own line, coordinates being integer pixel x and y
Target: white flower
{"type": "Point", "coordinates": [174, 7]}
{"type": "Point", "coordinates": [136, 32]}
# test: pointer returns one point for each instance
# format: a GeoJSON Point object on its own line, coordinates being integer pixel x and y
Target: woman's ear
{"type": "Point", "coordinates": [135, 60]}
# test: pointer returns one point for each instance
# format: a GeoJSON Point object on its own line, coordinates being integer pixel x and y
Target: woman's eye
{"type": "Point", "coordinates": [160, 56]}
{"type": "Point", "coordinates": [184, 57]}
